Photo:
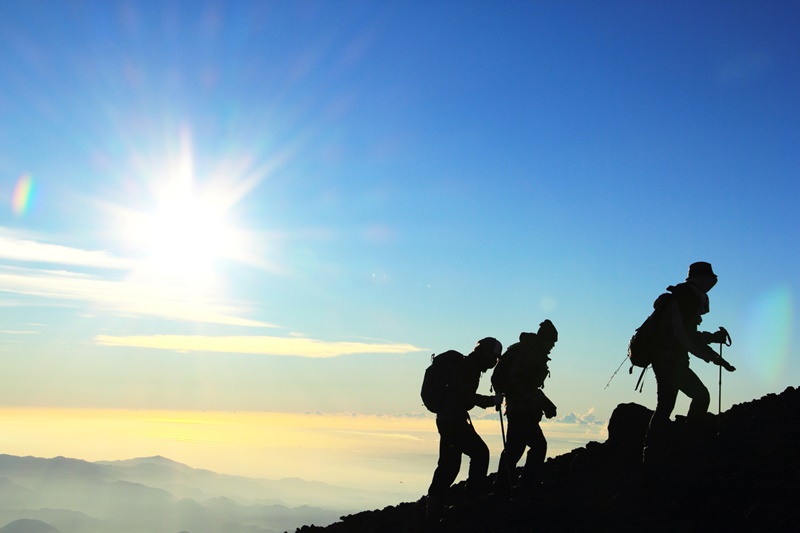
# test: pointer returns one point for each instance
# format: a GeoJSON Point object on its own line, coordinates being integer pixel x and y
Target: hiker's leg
{"type": "Point", "coordinates": [515, 447]}
{"type": "Point", "coordinates": [449, 459]}
{"type": "Point", "coordinates": [691, 386]}
{"type": "Point", "coordinates": [667, 394]}
{"type": "Point", "coordinates": [473, 446]}
{"type": "Point", "coordinates": [536, 455]}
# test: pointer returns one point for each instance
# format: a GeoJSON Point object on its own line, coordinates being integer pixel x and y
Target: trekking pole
{"type": "Point", "coordinates": [502, 427]}
{"type": "Point", "coordinates": [727, 341]}
{"type": "Point", "coordinates": [615, 372]}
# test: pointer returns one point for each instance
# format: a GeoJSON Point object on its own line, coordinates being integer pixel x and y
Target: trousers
{"type": "Point", "coordinates": [523, 431]}
{"type": "Point", "coordinates": [457, 438]}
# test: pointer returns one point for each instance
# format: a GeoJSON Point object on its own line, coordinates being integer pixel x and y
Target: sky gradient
{"type": "Point", "coordinates": [284, 208]}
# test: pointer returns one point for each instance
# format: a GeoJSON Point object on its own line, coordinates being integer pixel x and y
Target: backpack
{"type": "Point", "coordinates": [502, 371]}
{"type": "Point", "coordinates": [438, 378]}
{"type": "Point", "coordinates": [645, 340]}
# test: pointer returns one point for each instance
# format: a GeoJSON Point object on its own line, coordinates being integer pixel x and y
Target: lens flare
{"type": "Point", "coordinates": [768, 334]}
{"type": "Point", "coordinates": [23, 194]}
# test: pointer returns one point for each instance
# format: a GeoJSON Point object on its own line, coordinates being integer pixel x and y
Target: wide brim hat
{"type": "Point", "coordinates": [700, 268]}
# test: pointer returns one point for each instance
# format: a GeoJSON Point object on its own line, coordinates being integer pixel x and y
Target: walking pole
{"type": "Point", "coordinates": [503, 433]}
{"type": "Point", "coordinates": [719, 398]}
{"type": "Point", "coordinates": [502, 427]}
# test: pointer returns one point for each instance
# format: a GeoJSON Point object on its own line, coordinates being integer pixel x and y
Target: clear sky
{"type": "Point", "coordinates": [283, 208]}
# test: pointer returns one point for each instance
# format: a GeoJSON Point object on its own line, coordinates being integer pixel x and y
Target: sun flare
{"type": "Point", "coordinates": [187, 232]}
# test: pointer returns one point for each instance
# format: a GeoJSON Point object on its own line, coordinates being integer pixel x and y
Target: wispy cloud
{"type": "Point", "coordinates": [265, 345]}
{"type": "Point", "coordinates": [61, 283]}
{"type": "Point", "coordinates": [25, 247]}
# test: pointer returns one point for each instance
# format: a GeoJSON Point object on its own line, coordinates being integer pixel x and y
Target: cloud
{"type": "Point", "coordinates": [18, 246]}
{"type": "Point", "coordinates": [122, 297]}
{"type": "Point", "coordinates": [587, 418]}
{"type": "Point", "coordinates": [264, 345]}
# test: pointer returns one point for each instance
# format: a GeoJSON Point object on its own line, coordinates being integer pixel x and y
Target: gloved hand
{"type": "Point", "coordinates": [548, 407]}
{"type": "Point", "coordinates": [720, 336]}
{"type": "Point", "coordinates": [726, 365]}
{"type": "Point", "coordinates": [498, 401]}
{"type": "Point", "coordinates": [550, 410]}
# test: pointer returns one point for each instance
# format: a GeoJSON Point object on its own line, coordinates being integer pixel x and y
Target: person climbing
{"type": "Point", "coordinates": [457, 435]}
{"type": "Point", "coordinates": [520, 377]}
{"type": "Point", "coordinates": [684, 304]}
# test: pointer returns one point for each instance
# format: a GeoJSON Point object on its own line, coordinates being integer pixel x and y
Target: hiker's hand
{"type": "Point", "coordinates": [550, 411]}
{"type": "Point", "coordinates": [720, 336]}
{"type": "Point", "coordinates": [724, 364]}
{"type": "Point", "coordinates": [498, 401]}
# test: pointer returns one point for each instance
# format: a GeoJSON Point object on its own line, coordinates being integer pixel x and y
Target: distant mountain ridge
{"type": "Point", "coordinates": [149, 493]}
{"type": "Point", "coordinates": [746, 478]}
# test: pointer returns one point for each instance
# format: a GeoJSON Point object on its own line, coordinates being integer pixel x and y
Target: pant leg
{"type": "Point", "coordinates": [449, 458]}
{"type": "Point", "coordinates": [472, 446]}
{"type": "Point", "coordinates": [691, 386]}
{"type": "Point", "coordinates": [667, 394]}
{"type": "Point", "coordinates": [516, 442]}
{"type": "Point", "coordinates": [536, 454]}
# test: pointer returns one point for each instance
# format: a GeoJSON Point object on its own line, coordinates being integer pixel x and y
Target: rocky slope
{"type": "Point", "coordinates": [742, 473]}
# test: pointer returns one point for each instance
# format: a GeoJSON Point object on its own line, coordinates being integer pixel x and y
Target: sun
{"type": "Point", "coordinates": [187, 236]}
{"type": "Point", "coordinates": [186, 232]}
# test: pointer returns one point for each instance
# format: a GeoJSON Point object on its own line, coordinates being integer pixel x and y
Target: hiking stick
{"type": "Point", "coordinates": [719, 397]}
{"type": "Point", "coordinates": [727, 341]}
{"type": "Point", "coordinates": [615, 372]}
{"type": "Point", "coordinates": [502, 427]}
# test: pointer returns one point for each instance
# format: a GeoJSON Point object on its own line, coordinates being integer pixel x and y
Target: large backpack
{"type": "Point", "coordinates": [502, 371]}
{"type": "Point", "coordinates": [645, 340]}
{"type": "Point", "coordinates": [438, 379]}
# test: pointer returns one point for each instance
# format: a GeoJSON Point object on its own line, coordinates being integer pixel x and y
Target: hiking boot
{"type": "Point", "coordinates": [434, 509]}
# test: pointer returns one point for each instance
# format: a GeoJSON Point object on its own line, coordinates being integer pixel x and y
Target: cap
{"type": "Point", "coordinates": [490, 344]}
{"type": "Point", "coordinates": [547, 331]}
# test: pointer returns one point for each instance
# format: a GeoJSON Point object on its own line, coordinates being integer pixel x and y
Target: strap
{"type": "Point", "coordinates": [640, 383]}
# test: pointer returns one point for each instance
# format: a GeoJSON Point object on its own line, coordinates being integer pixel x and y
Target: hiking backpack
{"type": "Point", "coordinates": [644, 342]}
{"type": "Point", "coordinates": [502, 371]}
{"type": "Point", "coordinates": [438, 379]}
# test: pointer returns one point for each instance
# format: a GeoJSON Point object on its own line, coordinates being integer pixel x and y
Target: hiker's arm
{"type": "Point", "coordinates": [685, 340]}
{"type": "Point", "coordinates": [547, 406]}
{"type": "Point", "coordinates": [484, 401]}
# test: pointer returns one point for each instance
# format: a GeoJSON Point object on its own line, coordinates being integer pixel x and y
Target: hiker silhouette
{"type": "Point", "coordinates": [520, 376]}
{"type": "Point", "coordinates": [457, 435]}
{"type": "Point", "coordinates": [678, 336]}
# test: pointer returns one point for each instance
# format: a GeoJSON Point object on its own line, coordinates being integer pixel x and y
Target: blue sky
{"type": "Point", "coordinates": [286, 207]}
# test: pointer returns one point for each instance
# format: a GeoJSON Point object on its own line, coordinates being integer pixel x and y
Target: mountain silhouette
{"type": "Point", "coordinates": [740, 473]}
{"type": "Point", "coordinates": [25, 525]}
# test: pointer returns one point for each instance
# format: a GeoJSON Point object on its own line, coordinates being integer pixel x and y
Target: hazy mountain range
{"type": "Point", "coordinates": [155, 494]}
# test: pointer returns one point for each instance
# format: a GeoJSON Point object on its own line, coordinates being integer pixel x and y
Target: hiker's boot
{"type": "Point", "coordinates": [434, 509]}
{"type": "Point", "coordinates": [502, 483]}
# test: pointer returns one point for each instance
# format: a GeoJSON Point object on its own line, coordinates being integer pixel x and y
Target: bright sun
{"type": "Point", "coordinates": [187, 232]}
{"type": "Point", "coordinates": [185, 237]}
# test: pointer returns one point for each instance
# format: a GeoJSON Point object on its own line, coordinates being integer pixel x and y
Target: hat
{"type": "Point", "coordinates": [701, 268]}
{"type": "Point", "coordinates": [490, 344]}
{"type": "Point", "coordinates": [547, 331]}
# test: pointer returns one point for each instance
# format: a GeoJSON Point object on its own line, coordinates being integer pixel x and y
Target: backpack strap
{"type": "Point", "coordinates": [640, 383]}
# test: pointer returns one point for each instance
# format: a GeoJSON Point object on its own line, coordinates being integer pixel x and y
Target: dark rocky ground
{"type": "Point", "coordinates": [747, 478]}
